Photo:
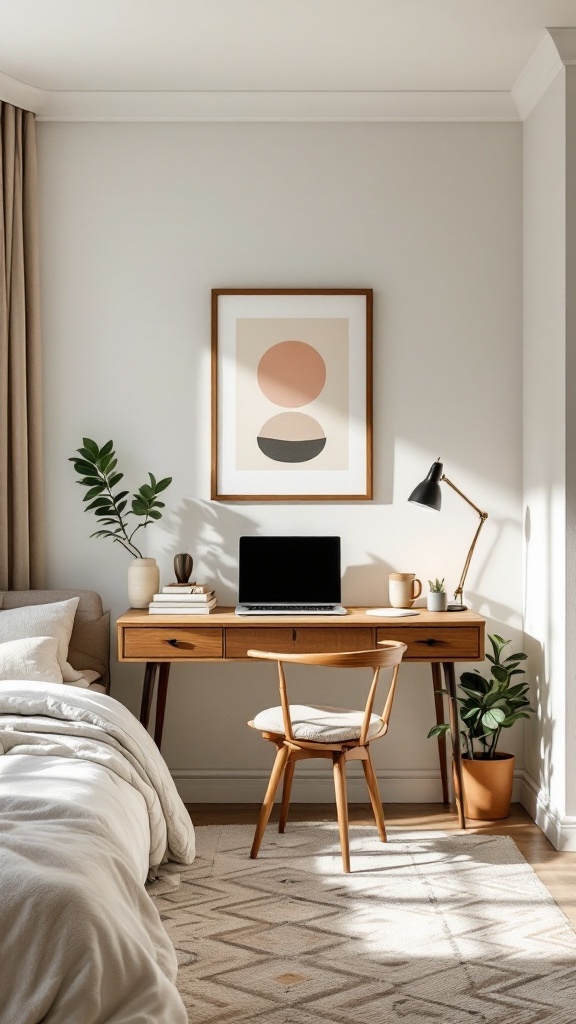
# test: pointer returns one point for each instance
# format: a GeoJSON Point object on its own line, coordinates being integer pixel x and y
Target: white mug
{"type": "Point", "coordinates": [403, 589]}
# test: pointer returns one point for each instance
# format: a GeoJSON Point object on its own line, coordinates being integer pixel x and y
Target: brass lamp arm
{"type": "Point", "coordinates": [483, 517]}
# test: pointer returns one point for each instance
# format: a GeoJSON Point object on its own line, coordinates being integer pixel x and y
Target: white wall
{"type": "Point", "coordinates": [139, 222]}
{"type": "Point", "coordinates": [545, 432]}
{"type": "Point", "coordinates": [548, 446]}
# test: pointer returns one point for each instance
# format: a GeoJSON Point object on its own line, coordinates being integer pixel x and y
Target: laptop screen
{"type": "Point", "coordinates": [289, 570]}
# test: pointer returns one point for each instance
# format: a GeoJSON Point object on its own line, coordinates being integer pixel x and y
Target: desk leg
{"type": "Point", "coordinates": [439, 707]}
{"type": "Point", "coordinates": [161, 702]}
{"type": "Point", "coordinates": [147, 692]}
{"type": "Point", "coordinates": [450, 679]}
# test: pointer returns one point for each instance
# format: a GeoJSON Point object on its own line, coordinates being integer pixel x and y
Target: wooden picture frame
{"type": "Point", "coordinates": [291, 394]}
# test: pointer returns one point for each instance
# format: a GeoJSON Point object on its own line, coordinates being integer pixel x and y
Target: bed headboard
{"type": "Point", "coordinates": [90, 640]}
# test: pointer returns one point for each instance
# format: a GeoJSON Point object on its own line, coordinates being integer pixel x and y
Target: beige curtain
{"type": "Point", "coordinates": [21, 490]}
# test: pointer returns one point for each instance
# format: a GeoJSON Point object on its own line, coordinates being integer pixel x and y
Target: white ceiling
{"type": "Point", "coordinates": [266, 47]}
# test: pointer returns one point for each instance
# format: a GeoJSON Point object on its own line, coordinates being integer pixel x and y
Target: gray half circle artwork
{"type": "Point", "coordinates": [291, 437]}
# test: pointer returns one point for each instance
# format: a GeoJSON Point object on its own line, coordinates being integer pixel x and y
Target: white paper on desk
{"type": "Point", "coordinates": [392, 613]}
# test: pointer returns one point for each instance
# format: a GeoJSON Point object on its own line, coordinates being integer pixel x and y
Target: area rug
{"type": "Point", "coordinates": [429, 928]}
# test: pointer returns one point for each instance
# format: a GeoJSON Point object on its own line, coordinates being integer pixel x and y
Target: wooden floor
{"type": "Point", "coordinates": [557, 870]}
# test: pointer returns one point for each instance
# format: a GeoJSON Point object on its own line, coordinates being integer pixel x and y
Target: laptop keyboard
{"type": "Point", "coordinates": [291, 607]}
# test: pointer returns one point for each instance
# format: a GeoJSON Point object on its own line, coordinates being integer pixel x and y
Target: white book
{"type": "Point", "coordinates": [182, 609]}
{"type": "Point", "coordinates": [187, 588]}
{"type": "Point", "coordinates": [183, 598]}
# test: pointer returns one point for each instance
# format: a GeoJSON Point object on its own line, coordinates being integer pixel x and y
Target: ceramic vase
{"type": "Point", "coordinates": [437, 601]}
{"type": "Point", "coordinates": [183, 567]}
{"type": "Point", "coordinates": [143, 581]}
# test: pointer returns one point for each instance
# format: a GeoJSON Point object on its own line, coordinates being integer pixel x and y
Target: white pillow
{"type": "Point", "coordinates": [85, 680]}
{"type": "Point", "coordinates": [32, 658]}
{"type": "Point", "coordinates": [35, 620]}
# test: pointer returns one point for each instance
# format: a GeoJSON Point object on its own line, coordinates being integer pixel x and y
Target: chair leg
{"type": "Point", "coordinates": [286, 790]}
{"type": "Point", "coordinates": [372, 783]}
{"type": "Point", "coordinates": [339, 767]}
{"type": "Point", "coordinates": [276, 775]}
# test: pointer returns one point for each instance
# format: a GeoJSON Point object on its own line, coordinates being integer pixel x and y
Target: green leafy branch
{"type": "Point", "coordinates": [490, 705]}
{"type": "Point", "coordinates": [97, 468]}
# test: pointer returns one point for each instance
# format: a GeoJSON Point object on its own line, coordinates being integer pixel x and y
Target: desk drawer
{"type": "Point", "coordinates": [436, 643]}
{"type": "Point", "coordinates": [328, 639]}
{"type": "Point", "coordinates": [298, 640]}
{"type": "Point", "coordinates": [153, 643]}
{"type": "Point", "coordinates": [239, 641]}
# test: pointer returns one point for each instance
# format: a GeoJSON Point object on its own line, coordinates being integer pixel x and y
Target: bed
{"type": "Point", "coordinates": [88, 812]}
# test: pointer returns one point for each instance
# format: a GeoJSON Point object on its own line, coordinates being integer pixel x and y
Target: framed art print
{"type": "Point", "coordinates": [291, 394]}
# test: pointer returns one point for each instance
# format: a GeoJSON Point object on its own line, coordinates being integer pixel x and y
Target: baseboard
{"type": "Point", "coordinates": [311, 785]}
{"type": "Point", "coordinates": [559, 829]}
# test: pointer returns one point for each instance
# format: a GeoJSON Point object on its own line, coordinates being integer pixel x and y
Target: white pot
{"type": "Point", "coordinates": [143, 581]}
{"type": "Point", "coordinates": [437, 601]}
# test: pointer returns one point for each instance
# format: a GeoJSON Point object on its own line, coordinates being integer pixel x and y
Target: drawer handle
{"type": "Point", "coordinates": [430, 642]}
{"type": "Point", "coordinates": [180, 643]}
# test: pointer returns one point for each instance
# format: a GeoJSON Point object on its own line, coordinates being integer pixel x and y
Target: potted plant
{"type": "Point", "coordinates": [97, 468]}
{"type": "Point", "coordinates": [437, 599]}
{"type": "Point", "coordinates": [486, 707]}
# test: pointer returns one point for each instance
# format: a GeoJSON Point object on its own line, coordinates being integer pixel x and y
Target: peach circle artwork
{"type": "Point", "coordinates": [291, 374]}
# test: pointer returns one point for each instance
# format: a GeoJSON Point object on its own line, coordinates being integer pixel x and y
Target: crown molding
{"type": "Point", "coordinates": [238, 105]}
{"type": "Point", "coordinates": [19, 94]}
{"type": "Point", "coordinates": [555, 52]}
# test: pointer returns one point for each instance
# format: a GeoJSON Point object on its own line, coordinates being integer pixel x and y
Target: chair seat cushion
{"type": "Point", "coordinates": [319, 724]}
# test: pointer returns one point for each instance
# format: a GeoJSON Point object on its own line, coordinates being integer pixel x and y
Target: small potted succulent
{"type": "Point", "coordinates": [97, 468]}
{"type": "Point", "coordinates": [486, 707]}
{"type": "Point", "coordinates": [437, 598]}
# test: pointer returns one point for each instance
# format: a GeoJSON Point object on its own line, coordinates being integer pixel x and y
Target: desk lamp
{"type": "Point", "coordinates": [429, 494]}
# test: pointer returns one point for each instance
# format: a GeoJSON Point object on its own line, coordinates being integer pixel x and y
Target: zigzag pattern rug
{"type": "Point", "coordinates": [428, 929]}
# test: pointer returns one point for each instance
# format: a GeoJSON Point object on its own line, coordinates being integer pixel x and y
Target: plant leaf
{"type": "Point", "coordinates": [163, 484]}
{"type": "Point", "coordinates": [439, 730]}
{"type": "Point", "coordinates": [499, 673]}
{"type": "Point", "coordinates": [88, 455]}
{"type": "Point", "coordinates": [510, 719]}
{"type": "Point", "coordinates": [90, 481]}
{"type": "Point", "coordinates": [90, 445]}
{"type": "Point", "coordinates": [94, 491]}
{"type": "Point", "coordinates": [107, 449]}
{"type": "Point", "coordinates": [99, 503]}
{"type": "Point", "coordinates": [474, 681]}
{"type": "Point", "coordinates": [82, 467]}
{"type": "Point", "coordinates": [493, 719]}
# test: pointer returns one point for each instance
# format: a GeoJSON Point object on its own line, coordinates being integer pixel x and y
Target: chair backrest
{"type": "Point", "coordinates": [388, 654]}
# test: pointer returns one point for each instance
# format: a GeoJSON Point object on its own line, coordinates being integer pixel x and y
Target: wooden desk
{"type": "Point", "coordinates": [439, 638]}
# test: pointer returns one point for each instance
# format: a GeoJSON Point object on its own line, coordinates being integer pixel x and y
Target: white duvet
{"type": "Point", "coordinates": [87, 809]}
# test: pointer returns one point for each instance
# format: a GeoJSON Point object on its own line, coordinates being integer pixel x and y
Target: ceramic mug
{"type": "Point", "coordinates": [403, 589]}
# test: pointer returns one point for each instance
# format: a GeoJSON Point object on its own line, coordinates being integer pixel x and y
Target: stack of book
{"type": "Point", "coordinates": [184, 599]}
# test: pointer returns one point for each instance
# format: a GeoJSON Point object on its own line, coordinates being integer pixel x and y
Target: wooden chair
{"type": "Point", "coordinates": [341, 734]}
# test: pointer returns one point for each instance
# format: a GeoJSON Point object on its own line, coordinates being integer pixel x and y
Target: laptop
{"type": "Point", "coordinates": [289, 576]}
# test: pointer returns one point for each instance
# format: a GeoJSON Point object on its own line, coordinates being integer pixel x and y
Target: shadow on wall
{"type": "Point", "coordinates": [211, 536]}
{"type": "Point", "coordinates": [539, 731]}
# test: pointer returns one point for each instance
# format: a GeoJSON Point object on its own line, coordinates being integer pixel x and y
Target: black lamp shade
{"type": "Point", "coordinates": [428, 492]}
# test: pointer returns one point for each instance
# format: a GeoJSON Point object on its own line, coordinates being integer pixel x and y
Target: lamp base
{"type": "Point", "coordinates": [457, 608]}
